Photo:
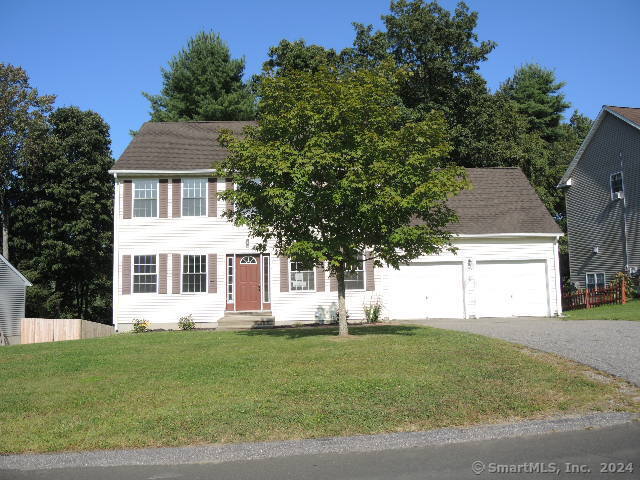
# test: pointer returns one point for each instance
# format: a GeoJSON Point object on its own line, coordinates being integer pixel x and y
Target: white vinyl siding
{"type": "Point", "coordinates": [145, 277]}
{"type": "Point", "coordinates": [194, 197]}
{"type": "Point", "coordinates": [145, 198]}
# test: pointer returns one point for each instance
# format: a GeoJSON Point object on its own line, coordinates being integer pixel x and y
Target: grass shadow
{"type": "Point", "coordinates": [330, 331]}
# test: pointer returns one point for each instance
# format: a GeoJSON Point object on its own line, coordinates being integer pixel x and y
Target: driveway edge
{"type": "Point", "coordinates": [264, 450]}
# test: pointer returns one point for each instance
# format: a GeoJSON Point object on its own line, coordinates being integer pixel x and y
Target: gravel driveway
{"type": "Point", "coordinates": [611, 346]}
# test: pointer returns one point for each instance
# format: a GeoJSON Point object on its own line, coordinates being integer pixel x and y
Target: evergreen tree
{"type": "Point", "coordinates": [536, 93]}
{"type": "Point", "coordinates": [203, 82]}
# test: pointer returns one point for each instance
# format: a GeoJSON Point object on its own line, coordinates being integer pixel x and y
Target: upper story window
{"type": "Point", "coordinates": [194, 273]}
{"type": "Point", "coordinates": [145, 198]}
{"type": "Point", "coordinates": [194, 194]}
{"type": "Point", "coordinates": [354, 279]}
{"type": "Point", "coordinates": [595, 280]}
{"type": "Point", "coordinates": [616, 185]}
{"type": "Point", "coordinates": [145, 277]}
{"type": "Point", "coordinates": [301, 278]}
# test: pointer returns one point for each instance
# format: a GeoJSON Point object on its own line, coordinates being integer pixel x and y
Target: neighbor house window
{"type": "Point", "coordinates": [194, 194]}
{"type": "Point", "coordinates": [265, 279]}
{"type": "Point", "coordinates": [616, 184]}
{"type": "Point", "coordinates": [354, 279]}
{"type": "Point", "coordinates": [229, 279]}
{"type": "Point", "coordinates": [595, 280]}
{"type": "Point", "coordinates": [145, 278]}
{"type": "Point", "coordinates": [145, 198]}
{"type": "Point", "coordinates": [302, 279]}
{"type": "Point", "coordinates": [194, 273]}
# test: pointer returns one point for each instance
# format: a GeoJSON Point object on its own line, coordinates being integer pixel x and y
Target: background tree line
{"type": "Point", "coordinates": [56, 194]}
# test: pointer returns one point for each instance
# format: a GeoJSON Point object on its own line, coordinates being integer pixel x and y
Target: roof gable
{"type": "Point", "coordinates": [626, 114]}
{"type": "Point", "coordinates": [27, 283]}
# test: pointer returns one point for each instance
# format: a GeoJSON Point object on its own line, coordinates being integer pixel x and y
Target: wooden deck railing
{"type": "Point", "coordinates": [613, 293]}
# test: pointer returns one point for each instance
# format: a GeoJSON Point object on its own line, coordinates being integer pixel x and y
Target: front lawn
{"type": "Point", "coordinates": [179, 388]}
{"type": "Point", "coordinates": [628, 311]}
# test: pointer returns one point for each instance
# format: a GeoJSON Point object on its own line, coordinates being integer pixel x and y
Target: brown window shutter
{"type": "Point", "coordinates": [369, 278]}
{"type": "Point", "coordinates": [320, 287]}
{"type": "Point", "coordinates": [228, 185]}
{"type": "Point", "coordinates": [333, 283]}
{"type": "Point", "coordinates": [163, 185]}
{"type": "Point", "coordinates": [213, 273]}
{"type": "Point", "coordinates": [176, 198]}
{"type": "Point", "coordinates": [126, 274]}
{"type": "Point", "coordinates": [127, 198]}
{"type": "Point", "coordinates": [213, 197]}
{"type": "Point", "coordinates": [284, 274]}
{"type": "Point", "coordinates": [176, 273]}
{"type": "Point", "coordinates": [162, 271]}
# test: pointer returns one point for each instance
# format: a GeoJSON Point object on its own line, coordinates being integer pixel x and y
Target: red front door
{"type": "Point", "coordinates": [248, 282]}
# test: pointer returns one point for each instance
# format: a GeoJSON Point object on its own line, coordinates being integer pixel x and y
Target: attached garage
{"type": "Point", "coordinates": [428, 290]}
{"type": "Point", "coordinates": [512, 288]}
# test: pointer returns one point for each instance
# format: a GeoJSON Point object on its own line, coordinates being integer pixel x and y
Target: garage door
{"type": "Point", "coordinates": [511, 289]}
{"type": "Point", "coordinates": [427, 290]}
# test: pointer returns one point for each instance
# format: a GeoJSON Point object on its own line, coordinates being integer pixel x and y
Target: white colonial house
{"type": "Point", "coordinates": [175, 254]}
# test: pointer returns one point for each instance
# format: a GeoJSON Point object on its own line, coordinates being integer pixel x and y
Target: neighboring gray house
{"type": "Point", "coordinates": [603, 199]}
{"type": "Point", "coordinates": [13, 288]}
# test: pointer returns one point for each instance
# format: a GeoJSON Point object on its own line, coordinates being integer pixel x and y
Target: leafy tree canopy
{"type": "Point", "coordinates": [343, 169]}
{"type": "Point", "coordinates": [22, 113]}
{"type": "Point", "coordinates": [63, 217]}
{"type": "Point", "coordinates": [203, 82]}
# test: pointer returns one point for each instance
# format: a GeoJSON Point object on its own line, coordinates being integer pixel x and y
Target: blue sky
{"type": "Point", "coordinates": [101, 55]}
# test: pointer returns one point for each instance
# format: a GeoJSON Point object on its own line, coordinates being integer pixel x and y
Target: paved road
{"type": "Point", "coordinates": [583, 449]}
{"type": "Point", "coordinates": [610, 346]}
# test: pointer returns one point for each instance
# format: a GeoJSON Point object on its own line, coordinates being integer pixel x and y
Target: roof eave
{"type": "Point", "coordinates": [27, 283]}
{"type": "Point", "coordinates": [137, 173]}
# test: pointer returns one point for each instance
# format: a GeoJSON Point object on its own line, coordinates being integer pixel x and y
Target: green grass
{"type": "Point", "coordinates": [628, 311]}
{"type": "Point", "coordinates": [179, 388]}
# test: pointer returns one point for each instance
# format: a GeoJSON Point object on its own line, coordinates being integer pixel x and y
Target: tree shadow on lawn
{"type": "Point", "coordinates": [330, 331]}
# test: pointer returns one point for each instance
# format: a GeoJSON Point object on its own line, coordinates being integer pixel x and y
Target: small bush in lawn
{"type": "Point", "coordinates": [372, 311]}
{"type": "Point", "coordinates": [140, 325]}
{"type": "Point", "coordinates": [186, 323]}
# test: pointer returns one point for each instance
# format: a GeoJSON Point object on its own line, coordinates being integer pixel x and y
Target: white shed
{"type": "Point", "coordinates": [13, 289]}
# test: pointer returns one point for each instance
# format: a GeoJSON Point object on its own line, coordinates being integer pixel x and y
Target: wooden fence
{"type": "Point", "coordinates": [594, 297]}
{"type": "Point", "coordinates": [38, 330]}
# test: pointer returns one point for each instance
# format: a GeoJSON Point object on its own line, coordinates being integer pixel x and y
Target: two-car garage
{"type": "Point", "coordinates": [467, 288]}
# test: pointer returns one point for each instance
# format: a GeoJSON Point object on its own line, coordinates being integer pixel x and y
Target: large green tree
{"type": "Point", "coordinates": [203, 82]}
{"type": "Point", "coordinates": [22, 114]}
{"type": "Point", "coordinates": [63, 217]}
{"type": "Point", "coordinates": [338, 167]}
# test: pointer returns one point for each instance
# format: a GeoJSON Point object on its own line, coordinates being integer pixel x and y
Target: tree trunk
{"type": "Point", "coordinates": [343, 328]}
{"type": "Point", "coordinates": [4, 219]}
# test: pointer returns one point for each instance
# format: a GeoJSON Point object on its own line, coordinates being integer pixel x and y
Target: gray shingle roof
{"type": "Point", "coordinates": [176, 146]}
{"type": "Point", "coordinates": [501, 201]}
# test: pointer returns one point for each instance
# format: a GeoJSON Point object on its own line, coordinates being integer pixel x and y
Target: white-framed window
{"type": "Point", "coordinates": [266, 291]}
{"type": "Point", "coordinates": [301, 278]}
{"type": "Point", "coordinates": [230, 279]}
{"type": "Point", "coordinates": [194, 273]}
{"type": "Point", "coordinates": [194, 197]}
{"type": "Point", "coordinates": [354, 279]}
{"type": "Point", "coordinates": [617, 186]}
{"type": "Point", "coordinates": [595, 280]}
{"type": "Point", "coordinates": [145, 198]}
{"type": "Point", "coordinates": [145, 276]}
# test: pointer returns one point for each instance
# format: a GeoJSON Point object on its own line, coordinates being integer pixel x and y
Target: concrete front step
{"type": "Point", "coordinates": [246, 321]}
